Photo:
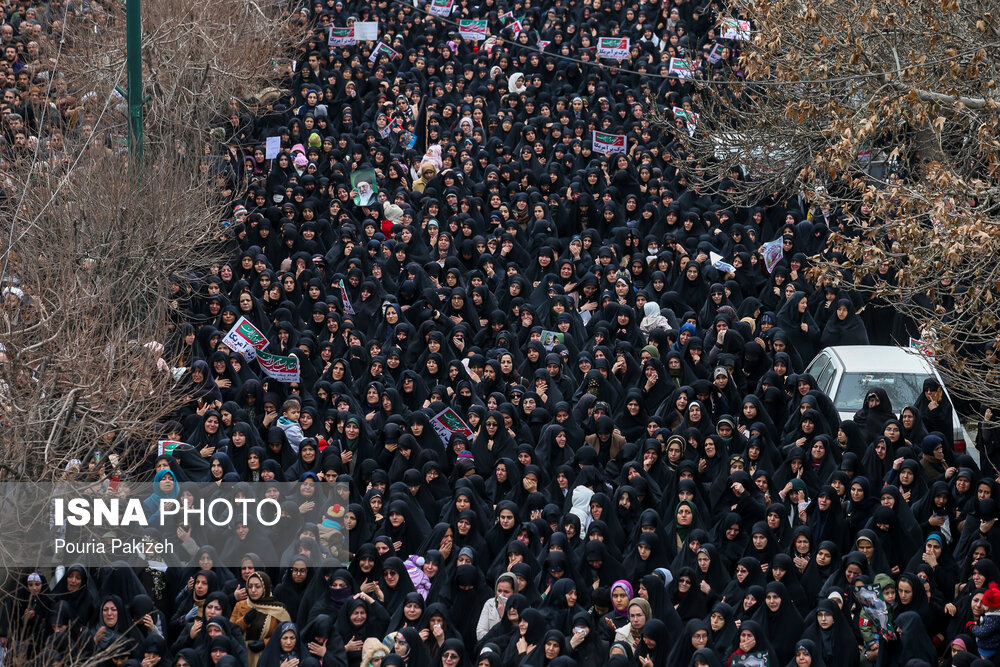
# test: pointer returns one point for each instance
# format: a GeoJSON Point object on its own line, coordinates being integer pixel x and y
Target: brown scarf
{"type": "Point", "coordinates": [267, 606]}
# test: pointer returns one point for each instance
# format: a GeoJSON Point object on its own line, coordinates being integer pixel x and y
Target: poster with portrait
{"type": "Point", "coordinates": [365, 187]}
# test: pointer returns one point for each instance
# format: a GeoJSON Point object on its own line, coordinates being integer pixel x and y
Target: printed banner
{"type": "Point", "coordinates": [447, 422]}
{"type": "Point", "coordinates": [472, 29]}
{"type": "Point", "coordinates": [610, 143]}
{"type": "Point", "coordinates": [245, 338]}
{"type": "Point", "coordinates": [383, 48]}
{"type": "Point", "coordinates": [282, 369]}
{"type": "Point", "coordinates": [440, 7]}
{"type": "Point", "coordinates": [772, 253]}
{"type": "Point", "coordinates": [734, 29]}
{"type": "Point", "coordinates": [681, 67]}
{"type": "Point", "coordinates": [345, 300]}
{"type": "Point", "coordinates": [615, 48]}
{"type": "Point", "coordinates": [167, 447]}
{"type": "Point", "coordinates": [543, 44]}
{"type": "Point", "coordinates": [342, 37]}
{"type": "Point", "coordinates": [516, 27]}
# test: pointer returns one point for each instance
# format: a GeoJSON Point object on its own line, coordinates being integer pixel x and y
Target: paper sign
{"type": "Point", "coordinates": [755, 659]}
{"type": "Point", "coordinates": [342, 37]}
{"type": "Point", "coordinates": [734, 29]}
{"type": "Point", "coordinates": [689, 117]}
{"type": "Point", "coordinates": [472, 29]}
{"type": "Point", "coordinates": [552, 338]}
{"type": "Point", "coordinates": [272, 148]}
{"type": "Point", "coordinates": [609, 143]}
{"type": "Point", "coordinates": [245, 338]}
{"type": "Point", "coordinates": [681, 67]}
{"type": "Point", "coordinates": [383, 49]}
{"type": "Point", "coordinates": [447, 422]}
{"type": "Point", "coordinates": [543, 44]}
{"type": "Point", "coordinates": [715, 55]}
{"type": "Point", "coordinates": [282, 369]}
{"type": "Point", "coordinates": [167, 447]}
{"type": "Point", "coordinates": [366, 31]}
{"type": "Point", "coordinates": [440, 7]}
{"type": "Point", "coordinates": [772, 254]}
{"type": "Point", "coordinates": [407, 140]}
{"type": "Point", "coordinates": [516, 27]}
{"type": "Point", "coordinates": [615, 48]}
{"type": "Point", "coordinates": [717, 262]}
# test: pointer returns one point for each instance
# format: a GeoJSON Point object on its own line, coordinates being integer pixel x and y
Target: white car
{"type": "Point", "coordinates": [847, 372]}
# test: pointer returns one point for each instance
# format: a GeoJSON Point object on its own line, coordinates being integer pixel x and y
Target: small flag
{"type": "Point", "coordinates": [615, 48]}
{"type": "Point", "coordinates": [610, 143]}
{"type": "Point", "coordinates": [167, 447]}
{"type": "Point", "coordinates": [346, 300]}
{"type": "Point", "coordinates": [923, 347]}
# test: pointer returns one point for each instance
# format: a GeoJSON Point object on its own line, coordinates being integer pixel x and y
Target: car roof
{"type": "Point", "coordinates": [881, 359]}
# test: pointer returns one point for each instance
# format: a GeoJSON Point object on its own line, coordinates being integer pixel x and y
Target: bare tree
{"type": "Point", "coordinates": [93, 243]}
{"type": "Point", "coordinates": [884, 111]}
{"type": "Point", "coordinates": [96, 251]}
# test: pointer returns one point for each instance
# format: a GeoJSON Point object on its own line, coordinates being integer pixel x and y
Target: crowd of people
{"type": "Point", "coordinates": [641, 473]}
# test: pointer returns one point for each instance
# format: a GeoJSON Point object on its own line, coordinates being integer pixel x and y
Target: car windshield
{"type": "Point", "coordinates": [902, 388]}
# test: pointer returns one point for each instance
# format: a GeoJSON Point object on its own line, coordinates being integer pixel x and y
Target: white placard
{"type": "Point", "coordinates": [272, 148]}
{"type": "Point", "coordinates": [366, 31]}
